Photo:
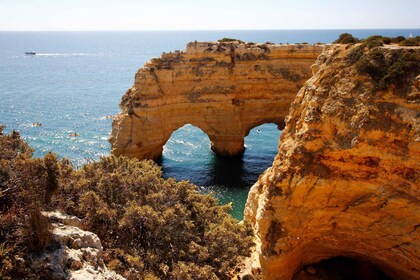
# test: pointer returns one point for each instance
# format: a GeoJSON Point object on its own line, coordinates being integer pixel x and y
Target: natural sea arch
{"type": "Point", "coordinates": [187, 156]}
{"type": "Point", "coordinates": [225, 89]}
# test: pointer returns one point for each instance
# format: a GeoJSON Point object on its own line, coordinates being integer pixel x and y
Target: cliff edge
{"type": "Point", "coordinates": [346, 180]}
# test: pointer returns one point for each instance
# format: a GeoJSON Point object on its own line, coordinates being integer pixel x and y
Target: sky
{"type": "Point", "coordinates": [79, 15]}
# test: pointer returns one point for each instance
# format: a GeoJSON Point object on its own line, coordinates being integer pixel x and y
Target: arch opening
{"type": "Point", "coordinates": [341, 268]}
{"type": "Point", "coordinates": [261, 146]}
{"type": "Point", "coordinates": [187, 156]}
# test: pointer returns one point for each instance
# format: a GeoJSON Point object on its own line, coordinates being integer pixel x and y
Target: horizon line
{"type": "Point", "coordinates": [177, 30]}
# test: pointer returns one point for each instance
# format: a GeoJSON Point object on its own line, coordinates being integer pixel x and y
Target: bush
{"type": "Point", "coordinates": [393, 69]}
{"type": "Point", "coordinates": [373, 41]}
{"type": "Point", "coordinates": [397, 39]}
{"type": "Point", "coordinates": [398, 67]}
{"type": "Point", "coordinates": [410, 42]}
{"type": "Point", "coordinates": [355, 54]}
{"type": "Point", "coordinates": [386, 40]}
{"type": "Point", "coordinates": [228, 40]}
{"type": "Point", "coordinates": [346, 38]}
{"type": "Point", "coordinates": [171, 226]}
{"type": "Point", "coordinates": [24, 184]}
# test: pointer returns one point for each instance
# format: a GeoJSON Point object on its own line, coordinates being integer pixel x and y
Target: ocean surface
{"type": "Point", "coordinates": [76, 80]}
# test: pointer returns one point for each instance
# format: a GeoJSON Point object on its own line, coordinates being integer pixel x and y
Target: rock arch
{"type": "Point", "coordinates": [205, 87]}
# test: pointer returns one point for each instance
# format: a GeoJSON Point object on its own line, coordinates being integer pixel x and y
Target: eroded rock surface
{"type": "Point", "coordinates": [224, 88]}
{"type": "Point", "coordinates": [77, 255]}
{"type": "Point", "coordinates": [346, 180]}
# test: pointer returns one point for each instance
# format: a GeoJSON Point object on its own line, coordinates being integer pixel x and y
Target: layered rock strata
{"type": "Point", "coordinates": [346, 180]}
{"type": "Point", "coordinates": [224, 88]}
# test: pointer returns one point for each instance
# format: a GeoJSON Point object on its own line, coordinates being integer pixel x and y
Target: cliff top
{"type": "Point", "coordinates": [248, 50]}
{"type": "Point", "coordinates": [231, 49]}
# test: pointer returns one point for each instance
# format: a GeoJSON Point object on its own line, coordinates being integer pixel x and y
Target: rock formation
{"type": "Point", "coordinates": [224, 88]}
{"type": "Point", "coordinates": [78, 254]}
{"type": "Point", "coordinates": [346, 180]}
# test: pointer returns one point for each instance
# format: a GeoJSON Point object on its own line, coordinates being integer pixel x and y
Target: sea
{"type": "Point", "coordinates": [74, 83]}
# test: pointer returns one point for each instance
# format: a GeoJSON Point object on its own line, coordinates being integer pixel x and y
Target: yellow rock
{"type": "Point", "coordinates": [346, 180]}
{"type": "Point", "coordinates": [225, 89]}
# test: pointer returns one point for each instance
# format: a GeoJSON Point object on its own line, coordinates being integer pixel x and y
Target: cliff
{"type": "Point", "coordinates": [224, 88]}
{"type": "Point", "coordinates": [346, 180]}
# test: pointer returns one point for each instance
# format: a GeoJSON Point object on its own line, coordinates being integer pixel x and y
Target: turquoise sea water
{"type": "Point", "coordinates": [77, 79]}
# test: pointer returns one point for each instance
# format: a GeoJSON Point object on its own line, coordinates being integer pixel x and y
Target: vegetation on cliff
{"type": "Point", "coordinates": [386, 67]}
{"type": "Point", "coordinates": [377, 40]}
{"type": "Point", "coordinates": [150, 228]}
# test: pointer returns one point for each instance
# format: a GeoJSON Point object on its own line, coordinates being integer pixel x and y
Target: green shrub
{"type": "Point", "coordinates": [369, 67]}
{"type": "Point", "coordinates": [355, 54]}
{"type": "Point", "coordinates": [410, 42]}
{"type": "Point", "coordinates": [52, 180]}
{"type": "Point", "coordinates": [346, 38]}
{"type": "Point", "coordinates": [399, 66]}
{"type": "Point", "coordinates": [386, 40]}
{"type": "Point", "coordinates": [397, 39]}
{"type": "Point", "coordinates": [169, 224]}
{"type": "Point", "coordinates": [373, 41]}
{"type": "Point", "coordinates": [394, 68]}
{"type": "Point", "coordinates": [228, 40]}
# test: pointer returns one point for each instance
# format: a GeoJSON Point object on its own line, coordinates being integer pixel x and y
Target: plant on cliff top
{"type": "Point", "coordinates": [229, 40]}
{"type": "Point", "coordinates": [373, 41]}
{"type": "Point", "coordinates": [410, 42]}
{"type": "Point", "coordinates": [395, 68]}
{"type": "Point", "coordinates": [377, 40]}
{"type": "Point", "coordinates": [346, 38]}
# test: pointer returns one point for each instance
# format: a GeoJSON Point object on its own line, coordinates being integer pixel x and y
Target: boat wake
{"type": "Point", "coordinates": [66, 54]}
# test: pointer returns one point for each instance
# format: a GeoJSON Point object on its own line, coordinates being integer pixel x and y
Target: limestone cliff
{"type": "Point", "coordinates": [346, 180]}
{"type": "Point", "coordinates": [224, 88]}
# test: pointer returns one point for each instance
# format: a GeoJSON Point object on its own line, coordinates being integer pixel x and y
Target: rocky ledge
{"type": "Point", "coordinates": [346, 180]}
{"type": "Point", "coordinates": [77, 254]}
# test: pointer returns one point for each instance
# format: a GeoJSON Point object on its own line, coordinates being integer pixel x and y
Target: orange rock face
{"type": "Point", "coordinates": [225, 89]}
{"type": "Point", "coordinates": [346, 180]}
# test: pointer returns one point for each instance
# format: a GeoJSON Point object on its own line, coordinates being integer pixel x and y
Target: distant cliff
{"type": "Point", "coordinates": [225, 88]}
{"type": "Point", "coordinates": [346, 180]}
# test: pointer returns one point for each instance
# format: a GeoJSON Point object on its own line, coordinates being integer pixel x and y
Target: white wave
{"type": "Point", "coordinates": [186, 143]}
{"type": "Point", "coordinates": [104, 118]}
{"type": "Point", "coordinates": [66, 54]}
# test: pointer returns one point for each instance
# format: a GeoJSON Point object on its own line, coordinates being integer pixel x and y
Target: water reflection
{"type": "Point", "coordinates": [225, 171]}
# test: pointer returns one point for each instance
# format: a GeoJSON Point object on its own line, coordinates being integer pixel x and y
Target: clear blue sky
{"type": "Point", "coordinates": [207, 15]}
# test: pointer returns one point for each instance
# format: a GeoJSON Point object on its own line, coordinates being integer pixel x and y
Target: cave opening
{"type": "Point", "coordinates": [341, 268]}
